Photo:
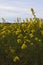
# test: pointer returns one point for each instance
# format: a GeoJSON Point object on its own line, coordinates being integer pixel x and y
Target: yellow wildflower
{"type": "Point", "coordinates": [4, 27]}
{"type": "Point", "coordinates": [23, 25]}
{"type": "Point", "coordinates": [36, 38]}
{"type": "Point", "coordinates": [26, 41]}
{"type": "Point", "coordinates": [23, 46]}
{"type": "Point", "coordinates": [17, 32]}
{"type": "Point", "coordinates": [3, 32]}
{"type": "Point", "coordinates": [15, 59]}
{"type": "Point", "coordinates": [28, 26]}
{"type": "Point", "coordinates": [19, 40]}
{"type": "Point", "coordinates": [33, 31]}
{"type": "Point", "coordinates": [31, 35]}
{"type": "Point", "coordinates": [25, 37]}
{"type": "Point", "coordinates": [40, 24]}
{"type": "Point", "coordinates": [20, 36]}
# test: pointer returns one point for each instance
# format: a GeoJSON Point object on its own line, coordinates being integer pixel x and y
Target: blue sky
{"type": "Point", "coordinates": [11, 9]}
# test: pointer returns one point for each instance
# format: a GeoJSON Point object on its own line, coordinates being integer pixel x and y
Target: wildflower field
{"type": "Point", "coordinates": [21, 43]}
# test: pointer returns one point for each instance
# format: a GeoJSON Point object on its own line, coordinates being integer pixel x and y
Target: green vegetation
{"type": "Point", "coordinates": [22, 43]}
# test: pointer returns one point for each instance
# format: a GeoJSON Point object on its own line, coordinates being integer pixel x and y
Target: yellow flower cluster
{"type": "Point", "coordinates": [19, 40]}
{"type": "Point", "coordinates": [16, 58]}
{"type": "Point", "coordinates": [18, 37]}
{"type": "Point", "coordinates": [31, 35]}
{"type": "Point", "coordinates": [23, 46]}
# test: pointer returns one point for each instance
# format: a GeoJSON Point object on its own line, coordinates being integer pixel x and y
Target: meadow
{"type": "Point", "coordinates": [22, 43]}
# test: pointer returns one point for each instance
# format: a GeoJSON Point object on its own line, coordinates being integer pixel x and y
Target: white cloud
{"type": "Point", "coordinates": [13, 8]}
{"type": "Point", "coordinates": [8, 11]}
